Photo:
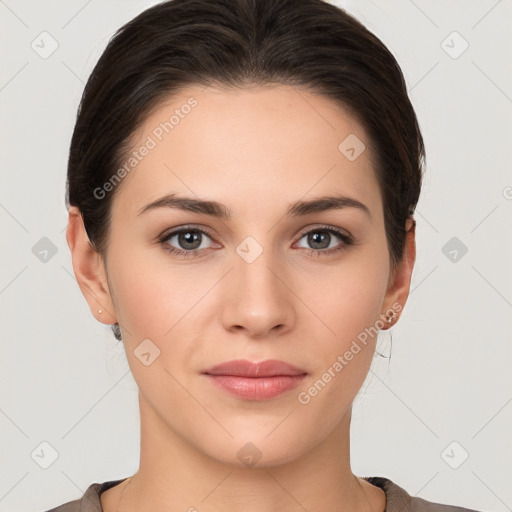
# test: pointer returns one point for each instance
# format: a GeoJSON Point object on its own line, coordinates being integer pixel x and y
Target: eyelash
{"type": "Point", "coordinates": [346, 241]}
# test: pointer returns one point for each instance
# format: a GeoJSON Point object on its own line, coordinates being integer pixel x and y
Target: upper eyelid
{"type": "Point", "coordinates": [175, 231]}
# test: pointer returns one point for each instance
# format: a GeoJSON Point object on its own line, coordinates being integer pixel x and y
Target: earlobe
{"type": "Point", "coordinates": [399, 285]}
{"type": "Point", "coordinates": [89, 269]}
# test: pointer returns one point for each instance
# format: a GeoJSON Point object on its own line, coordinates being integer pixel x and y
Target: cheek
{"type": "Point", "coordinates": [346, 321]}
{"type": "Point", "coordinates": [347, 298]}
{"type": "Point", "coordinates": [156, 304]}
{"type": "Point", "coordinates": [350, 312]}
{"type": "Point", "coordinates": [349, 306]}
{"type": "Point", "coordinates": [153, 296]}
{"type": "Point", "coordinates": [138, 302]}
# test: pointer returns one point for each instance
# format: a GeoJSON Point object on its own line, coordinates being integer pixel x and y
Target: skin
{"type": "Point", "coordinates": [256, 150]}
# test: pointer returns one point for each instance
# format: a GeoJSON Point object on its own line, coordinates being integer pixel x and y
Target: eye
{"type": "Point", "coordinates": [320, 239]}
{"type": "Point", "coordinates": [190, 241]}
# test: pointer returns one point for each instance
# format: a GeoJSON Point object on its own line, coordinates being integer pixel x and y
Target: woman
{"type": "Point", "coordinates": [242, 182]}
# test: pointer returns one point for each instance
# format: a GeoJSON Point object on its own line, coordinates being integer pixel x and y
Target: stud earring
{"type": "Point", "coordinates": [99, 311]}
{"type": "Point", "coordinates": [391, 318]}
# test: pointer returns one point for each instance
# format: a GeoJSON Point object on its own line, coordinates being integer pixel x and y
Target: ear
{"type": "Point", "coordinates": [400, 279]}
{"type": "Point", "coordinates": [89, 269]}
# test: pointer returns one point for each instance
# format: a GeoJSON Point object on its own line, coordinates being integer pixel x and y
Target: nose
{"type": "Point", "coordinates": [258, 299]}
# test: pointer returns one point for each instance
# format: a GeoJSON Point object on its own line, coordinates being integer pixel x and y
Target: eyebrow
{"type": "Point", "coordinates": [218, 210]}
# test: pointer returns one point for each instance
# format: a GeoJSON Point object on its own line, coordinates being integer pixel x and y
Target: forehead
{"type": "Point", "coordinates": [277, 143]}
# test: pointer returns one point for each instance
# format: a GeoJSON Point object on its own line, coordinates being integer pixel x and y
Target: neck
{"type": "Point", "coordinates": [174, 475]}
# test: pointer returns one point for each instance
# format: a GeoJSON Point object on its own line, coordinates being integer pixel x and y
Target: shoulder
{"type": "Point", "coordinates": [90, 501]}
{"type": "Point", "coordinates": [70, 506]}
{"type": "Point", "coordinates": [399, 500]}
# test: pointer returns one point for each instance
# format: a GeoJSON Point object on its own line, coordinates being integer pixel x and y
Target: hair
{"type": "Point", "coordinates": [309, 44]}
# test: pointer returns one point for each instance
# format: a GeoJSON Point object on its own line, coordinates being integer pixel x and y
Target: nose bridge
{"type": "Point", "coordinates": [260, 300]}
{"type": "Point", "coordinates": [256, 265]}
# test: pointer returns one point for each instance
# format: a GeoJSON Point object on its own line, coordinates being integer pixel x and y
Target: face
{"type": "Point", "coordinates": [269, 279]}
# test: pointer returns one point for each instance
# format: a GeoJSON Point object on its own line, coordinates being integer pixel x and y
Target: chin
{"type": "Point", "coordinates": [258, 451]}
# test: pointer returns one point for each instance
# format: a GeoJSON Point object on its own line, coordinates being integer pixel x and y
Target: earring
{"type": "Point", "coordinates": [99, 311]}
{"type": "Point", "coordinates": [391, 318]}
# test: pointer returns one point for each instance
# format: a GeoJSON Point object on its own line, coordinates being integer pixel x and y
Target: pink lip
{"type": "Point", "coordinates": [256, 381]}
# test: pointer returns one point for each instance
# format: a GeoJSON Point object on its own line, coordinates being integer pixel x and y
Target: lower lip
{"type": "Point", "coordinates": [258, 388]}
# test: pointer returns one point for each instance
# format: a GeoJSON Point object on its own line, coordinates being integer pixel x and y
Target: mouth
{"type": "Point", "coordinates": [255, 381]}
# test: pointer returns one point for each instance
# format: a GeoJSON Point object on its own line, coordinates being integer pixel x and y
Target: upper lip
{"type": "Point", "coordinates": [245, 368]}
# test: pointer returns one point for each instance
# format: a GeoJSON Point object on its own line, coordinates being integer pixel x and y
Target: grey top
{"type": "Point", "coordinates": [398, 500]}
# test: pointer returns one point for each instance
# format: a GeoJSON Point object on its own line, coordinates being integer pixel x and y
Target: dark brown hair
{"type": "Point", "coordinates": [310, 44]}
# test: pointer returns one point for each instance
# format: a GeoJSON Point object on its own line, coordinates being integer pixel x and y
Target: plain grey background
{"type": "Point", "coordinates": [436, 418]}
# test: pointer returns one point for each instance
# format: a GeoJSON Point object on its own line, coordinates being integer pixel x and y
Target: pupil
{"type": "Point", "coordinates": [189, 237]}
{"type": "Point", "coordinates": [317, 238]}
